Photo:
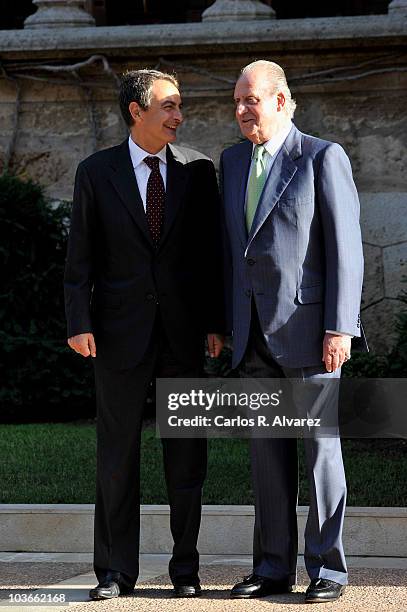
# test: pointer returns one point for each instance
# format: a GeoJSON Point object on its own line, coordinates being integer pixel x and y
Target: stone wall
{"type": "Point", "coordinates": [361, 103]}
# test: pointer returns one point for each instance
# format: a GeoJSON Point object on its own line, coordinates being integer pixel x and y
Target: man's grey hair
{"type": "Point", "coordinates": [277, 80]}
{"type": "Point", "coordinates": [136, 86]}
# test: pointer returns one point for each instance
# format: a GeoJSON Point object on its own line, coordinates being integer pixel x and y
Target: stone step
{"type": "Point", "coordinates": [227, 530]}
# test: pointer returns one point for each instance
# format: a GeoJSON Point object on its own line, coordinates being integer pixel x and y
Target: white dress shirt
{"type": "Point", "coordinates": [273, 146]}
{"type": "Point", "coordinates": [142, 171]}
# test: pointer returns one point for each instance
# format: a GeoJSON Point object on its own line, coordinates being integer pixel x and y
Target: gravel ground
{"type": "Point", "coordinates": [28, 575]}
{"type": "Point", "coordinates": [371, 591]}
{"type": "Point", "coordinates": [17, 577]}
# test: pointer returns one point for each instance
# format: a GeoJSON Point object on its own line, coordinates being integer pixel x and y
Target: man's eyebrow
{"type": "Point", "coordinates": [169, 102]}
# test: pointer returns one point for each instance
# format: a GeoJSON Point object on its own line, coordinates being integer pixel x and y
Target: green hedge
{"type": "Point", "coordinates": [40, 378]}
{"type": "Point", "coordinates": [389, 365]}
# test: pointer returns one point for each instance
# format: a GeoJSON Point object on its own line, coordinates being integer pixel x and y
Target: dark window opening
{"type": "Point", "coordinates": [333, 8]}
{"type": "Point", "coordinates": [154, 11]}
{"type": "Point", "coordinates": [139, 12]}
{"type": "Point", "coordinates": [14, 12]}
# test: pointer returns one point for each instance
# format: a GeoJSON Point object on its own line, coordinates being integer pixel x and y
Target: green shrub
{"type": "Point", "coordinates": [40, 378]}
{"type": "Point", "coordinates": [389, 365]}
{"type": "Point", "coordinates": [397, 359]}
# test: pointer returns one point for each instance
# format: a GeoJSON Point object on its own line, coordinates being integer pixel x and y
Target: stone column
{"type": "Point", "coordinates": [59, 14]}
{"type": "Point", "coordinates": [237, 10]}
{"type": "Point", "coordinates": [398, 8]}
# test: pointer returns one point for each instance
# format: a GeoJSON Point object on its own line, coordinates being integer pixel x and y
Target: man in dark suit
{"type": "Point", "coordinates": [141, 292]}
{"type": "Point", "coordinates": [292, 219]}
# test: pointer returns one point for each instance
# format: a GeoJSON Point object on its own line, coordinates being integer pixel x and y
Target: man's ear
{"type": "Point", "coordinates": [134, 111]}
{"type": "Point", "coordinates": [280, 101]}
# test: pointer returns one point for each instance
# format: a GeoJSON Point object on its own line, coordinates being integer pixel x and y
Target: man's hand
{"type": "Point", "coordinates": [84, 344]}
{"type": "Point", "coordinates": [336, 350]}
{"type": "Point", "coordinates": [215, 344]}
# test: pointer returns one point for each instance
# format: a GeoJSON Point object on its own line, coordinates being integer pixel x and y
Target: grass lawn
{"type": "Point", "coordinates": [55, 463]}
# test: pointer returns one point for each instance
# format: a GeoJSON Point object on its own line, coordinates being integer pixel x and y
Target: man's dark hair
{"type": "Point", "coordinates": [136, 86]}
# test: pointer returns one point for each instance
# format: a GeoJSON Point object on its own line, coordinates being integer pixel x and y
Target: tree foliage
{"type": "Point", "coordinates": [39, 376]}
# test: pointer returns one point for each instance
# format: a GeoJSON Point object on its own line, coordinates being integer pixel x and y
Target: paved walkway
{"type": "Point", "coordinates": [60, 583]}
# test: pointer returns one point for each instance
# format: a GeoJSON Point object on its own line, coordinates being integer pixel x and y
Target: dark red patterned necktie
{"type": "Point", "coordinates": [155, 198]}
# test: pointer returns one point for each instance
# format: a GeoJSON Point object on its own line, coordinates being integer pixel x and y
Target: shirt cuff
{"type": "Point", "coordinates": [338, 333]}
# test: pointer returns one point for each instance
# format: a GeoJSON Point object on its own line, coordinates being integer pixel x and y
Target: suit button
{"type": "Point", "coordinates": [149, 297]}
{"type": "Point", "coordinates": [251, 262]}
{"type": "Point", "coordinates": [248, 292]}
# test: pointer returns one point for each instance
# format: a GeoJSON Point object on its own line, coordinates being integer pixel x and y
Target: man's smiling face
{"type": "Point", "coordinates": [157, 126]}
{"type": "Point", "coordinates": [258, 111]}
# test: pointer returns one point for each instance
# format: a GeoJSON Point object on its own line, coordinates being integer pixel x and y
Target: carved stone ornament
{"type": "Point", "coordinates": [238, 10]}
{"type": "Point", "coordinates": [59, 14]}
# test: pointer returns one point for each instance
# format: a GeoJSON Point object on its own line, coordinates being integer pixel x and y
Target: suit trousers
{"type": "Point", "coordinates": [274, 465]}
{"type": "Point", "coordinates": [120, 397]}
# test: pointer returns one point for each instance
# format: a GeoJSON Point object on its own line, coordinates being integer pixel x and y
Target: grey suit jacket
{"type": "Point", "coordinates": [302, 261]}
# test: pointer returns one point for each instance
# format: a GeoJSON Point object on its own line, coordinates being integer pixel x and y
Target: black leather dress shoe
{"type": "Point", "coordinates": [321, 590]}
{"type": "Point", "coordinates": [259, 586]}
{"type": "Point", "coordinates": [187, 590]}
{"type": "Point", "coordinates": [111, 586]}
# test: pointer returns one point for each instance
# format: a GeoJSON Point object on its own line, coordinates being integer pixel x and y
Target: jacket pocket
{"type": "Point", "coordinates": [108, 301]}
{"type": "Point", "coordinates": [310, 295]}
{"type": "Point", "coordinates": [297, 201]}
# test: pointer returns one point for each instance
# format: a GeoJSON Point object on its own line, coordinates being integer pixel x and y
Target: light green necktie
{"type": "Point", "coordinates": [256, 183]}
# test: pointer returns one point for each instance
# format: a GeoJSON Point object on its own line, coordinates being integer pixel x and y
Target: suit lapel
{"type": "Point", "coordinates": [124, 181]}
{"type": "Point", "coordinates": [175, 188]}
{"type": "Point", "coordinates": [239, 184]}
{"type": "Point", "coordinates": [281, 173]}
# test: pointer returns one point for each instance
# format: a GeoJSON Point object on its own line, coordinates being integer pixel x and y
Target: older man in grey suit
{"type": "Point", "coordinates": [292, 222]}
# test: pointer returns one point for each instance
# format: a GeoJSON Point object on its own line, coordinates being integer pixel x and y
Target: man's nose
{"type": "Point", "coordinates": [240, 108]}
{"type": "Point", "coordinates": [178, 116]}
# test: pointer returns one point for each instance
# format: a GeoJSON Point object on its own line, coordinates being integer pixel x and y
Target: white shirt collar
{"type": "Point", "coordinates": [138, 154]}
{"type": "Point", "coordinates": [274, 144]}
